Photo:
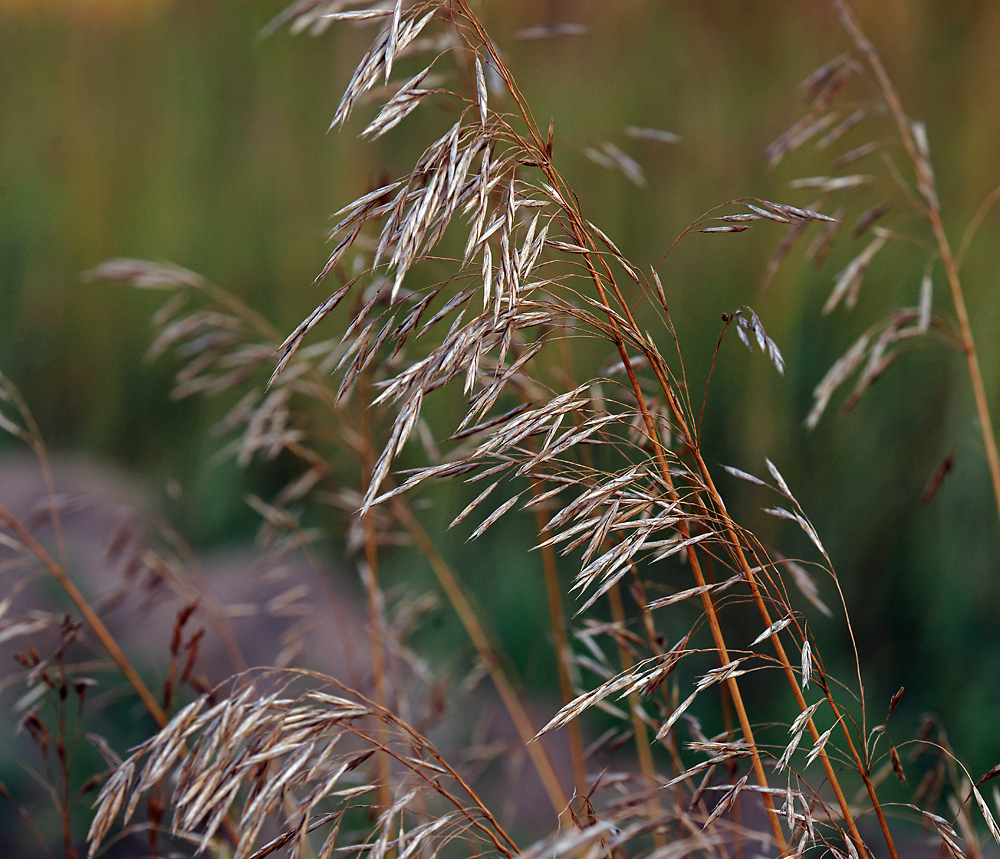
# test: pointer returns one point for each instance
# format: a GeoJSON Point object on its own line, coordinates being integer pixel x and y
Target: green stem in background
{"type": "Point", "coordinates": [642, 744]}
{"type": "Point", "coordinates": [373, 593]}
{"type": "Point", "coordinates": [928, 189]}
{"type": "Point", "coordinates": [488, 654]}
{"type": "Point", "coordinates": [564, 655]}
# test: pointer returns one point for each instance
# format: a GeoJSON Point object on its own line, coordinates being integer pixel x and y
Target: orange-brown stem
{"type": "Point", "coordinates": [708, 605]}
{"type": "Point", "coordinates": [751, 579]}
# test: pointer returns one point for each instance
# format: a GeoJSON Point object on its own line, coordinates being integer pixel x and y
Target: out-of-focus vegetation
{"type": "Point", "coordinates": [175, 132]}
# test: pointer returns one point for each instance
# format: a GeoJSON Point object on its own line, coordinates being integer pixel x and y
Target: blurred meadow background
{"type": "Point", "coordinates": [173, 131]}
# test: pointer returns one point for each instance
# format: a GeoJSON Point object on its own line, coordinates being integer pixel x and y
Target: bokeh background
{"type": "Point", "coordinates": [173, 131]}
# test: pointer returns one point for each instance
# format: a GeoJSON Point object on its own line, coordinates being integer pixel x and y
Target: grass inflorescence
{"type": "Point", "coordinates": [471, 280]}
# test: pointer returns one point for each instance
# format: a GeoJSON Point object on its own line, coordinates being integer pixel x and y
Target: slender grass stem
{"type": "Point", "coordinates": [932, 212]}
{"type": "Point", "coordinates": [96, 624]}
{"type": "Point", "coordinates": [713, 618]}
{"type": "Point", "coordinates": [748, 574]}
{"type": "Point", "coordinates": [372, 591]}
{"type": "Point", "coordinates": [488, 655]}
{"type": "Point", "coordinates": [564, 655]}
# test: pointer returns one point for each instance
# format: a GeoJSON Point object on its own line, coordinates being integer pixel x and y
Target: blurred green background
{"type": "Point", "coordinates": [172, 131]}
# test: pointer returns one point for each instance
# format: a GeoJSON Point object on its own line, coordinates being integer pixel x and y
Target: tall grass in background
{"type": "Point", "coordinates": [498, 339]}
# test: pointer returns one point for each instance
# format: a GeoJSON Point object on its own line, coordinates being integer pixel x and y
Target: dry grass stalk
{"type": "Point", "coordinates": [924, 202]}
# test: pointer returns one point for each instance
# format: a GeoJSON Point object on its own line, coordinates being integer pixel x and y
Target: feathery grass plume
{"type": "Point", "coordinates": [611, 466]}
{"type": "Point", "coordinates": [259, 746]}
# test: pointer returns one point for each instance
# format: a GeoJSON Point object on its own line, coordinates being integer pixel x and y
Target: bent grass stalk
{"type": "Point", "coordinates": [582, 237]}
{"type": "Point", "coordinates": [932, 211]}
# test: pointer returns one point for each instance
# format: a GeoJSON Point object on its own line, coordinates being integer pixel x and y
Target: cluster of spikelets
{"type": "Point", "coordinates": [612, 468]}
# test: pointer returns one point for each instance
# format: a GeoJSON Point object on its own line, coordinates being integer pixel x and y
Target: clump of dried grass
{"type": "Point", "coordinates": [257, 747]}
{"type": "Point", "coordinates": [543, 271]}
{"type": "Point", "coordinates": [612, 467]}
